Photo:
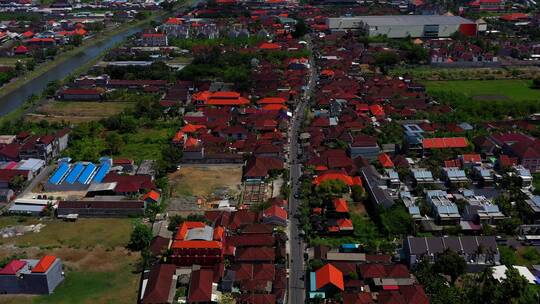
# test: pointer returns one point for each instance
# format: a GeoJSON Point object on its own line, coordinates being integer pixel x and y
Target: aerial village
{"type": "Point", "coordinates": [228, 151]}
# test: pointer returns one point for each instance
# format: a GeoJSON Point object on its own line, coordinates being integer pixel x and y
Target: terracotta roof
{"type": "Point", "coordinates": [276, 211]}
{"type": "Point", "coordinates": [153, 195]}
{"type": "Point", "coordinates": [44, 264]}
{"type": "Point", "coordinates": [444, 142]}
{"type": "Point", "coordinates": [329, 274]}
{"type": "Point", "coordinates": [385, 160]}
{"type": "Point", "coordinates": [340, 204]}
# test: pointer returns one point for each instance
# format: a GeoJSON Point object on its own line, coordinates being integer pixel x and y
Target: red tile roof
{"type": "Point", "coordinates": [253, 254]}
{"type": "Point", "coordinates": [159, 284]}
{"type": "Point", "coordinates": [329, 274]}
{"type": "Point", "coordinates": [44, 264]}
{"type": "Point", "coordinates": [12, 267]}
{"type": "Point", "coordinates": [200, 286]}
{"type": "Point", "coordinates": [445, 142]}
{"type": "Point", "coordinates": [276, 211]}
{"type": "Point", "coordinates": [385, 160]}
{"type": "Point", "coordinates": [340, 204]}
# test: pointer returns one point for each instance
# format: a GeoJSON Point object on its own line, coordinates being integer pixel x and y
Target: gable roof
{"type": "Point", "coordinates": [44, 264]}
{"type": "Point", "coordinates": [329, 274]}
{"type": "Point", "coordinates": [340, 204]}
{"type": "Point", "coordinates": [12, 267]}
{"type": "Point", "coordinates": [276, 211]}
{"type": "Point", "coordinates": [159, 284]}
{"type": "Point", "coordinates": [200, 286]}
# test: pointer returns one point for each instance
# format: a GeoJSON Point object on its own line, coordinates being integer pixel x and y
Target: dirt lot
{"type": "Point", "coordinates": [202, 181]}
{"type": "Point", "coordinates": [97, 266]}
{"type": "Point", "coordinates": [76, 112]}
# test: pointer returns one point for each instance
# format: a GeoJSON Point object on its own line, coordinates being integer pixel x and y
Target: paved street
{"type": "Point", "coordinates": [296, 256]}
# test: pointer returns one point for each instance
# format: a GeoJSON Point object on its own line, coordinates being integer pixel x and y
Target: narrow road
{"type": "Point", "coordinates": [297, 280]}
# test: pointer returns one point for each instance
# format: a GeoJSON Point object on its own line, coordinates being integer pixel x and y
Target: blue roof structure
{"type": "Point", "coordinates": [86, 175]}
{"type": "Point", "coordinates": [59, 174]}
{"type": "Point", "coordinates": [75, 172]}
{"type": "Point", "coordinates": [102, 171]}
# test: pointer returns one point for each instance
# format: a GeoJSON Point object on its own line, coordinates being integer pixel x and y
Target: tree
{"type": "Point", "coordinates": [300, 29]}
{"type": "Point", "coordinates": [536, 83]}
{"type": "Point", "coordinates": [76, 40]}
{"type": "Point", "coordinates": [451, 264]}
{"type": "Point", "coordinates": [386, 58]}
{"type": "Point", "coordinates": [358, 193]}
{"type": "Point", "coordinates": [30, 65]}
{"type": "Point", "coordinates": [332, 188]}
{"type": "Point", "coordinates": [17, 183]}
{"type": "Point", "coordinates": [395, 220]}
{"type": "Point", "coordinates": [140, 237]}
{"type": "Point", "coordinates": [114, 142]}
{"type": "Point", "coordinates": [514, 285]}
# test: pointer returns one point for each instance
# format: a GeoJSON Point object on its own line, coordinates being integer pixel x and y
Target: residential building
{"type": "Point", "coordinates": [444, 211]}
{"type": "Point", "coordinates": [197, 243]}
{"type": "Point", "coordinates": [478, 251]}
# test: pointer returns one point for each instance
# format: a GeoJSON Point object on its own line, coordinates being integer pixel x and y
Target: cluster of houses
{"type": "Point", "coordinates": [240, 253]}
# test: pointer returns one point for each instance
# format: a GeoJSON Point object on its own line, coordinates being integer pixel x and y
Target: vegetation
{"type": "Point", "coordinates": [140, 237]}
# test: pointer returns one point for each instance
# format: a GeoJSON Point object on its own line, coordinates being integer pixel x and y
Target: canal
{"type": "Point", "coordinates": [16, 98]}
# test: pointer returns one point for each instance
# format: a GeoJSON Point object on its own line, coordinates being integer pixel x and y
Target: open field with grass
{"type": "Point", "coordinates": [98, 268]}
{"type": "Point", "coordinates": [202, 181]}
{"type": "Point", "coordinates": [77, 112]}
{"type": "Point", "coordinates": [145, 144]}
{"type": "Point", "coordinates": [11, 61]}
{"type": "Point", "coordinates": [488, 90]}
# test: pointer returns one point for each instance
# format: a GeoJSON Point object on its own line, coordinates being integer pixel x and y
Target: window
{"type": "Point", "coordinates": [431, 30]}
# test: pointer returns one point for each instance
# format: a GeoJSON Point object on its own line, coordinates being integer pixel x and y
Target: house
{"type": "Point", "coordinates": [327, 279]}
{"type": "Point", "coordinates": [455, 176]}
{"type": "Point", "coordinates": [200, 287]}
{"type": "Point", "coordinates": [219, 98]}
{"type": "Point", "coordinates": [444, 211]}
{"type": "Point", "coordinates": [154, 39]}
{"type": "Point", "coordinates": [525, 148]}
{"type": "Point", "coordinates": [478, 251]}
{"type": "Point", "coordinates": [487, 5]}
{"type": "Point", "coordinates": [80, 94]}
{"type": "Point", "coordinates": [422, 176]}
{"type": "Point", "coordinates": [197, 243]}
{"type": "Point", "coordinates": [365, 146]}
{"type": "Point", "coordinates": [160, 286]}
{"type": "Point", "coordinates": [480, 210]}
{"type": "Point", "coordinates": [259, 168]}
{"type": "Point", "coordinates": [275, 215]}
{"type": "Point", "coordinates": [152, 197]}
{"type": "Point", "coordinates": [28, 276]}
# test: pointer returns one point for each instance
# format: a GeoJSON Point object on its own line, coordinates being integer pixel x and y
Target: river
{"type": "Point", "coordinates": [16, 98]}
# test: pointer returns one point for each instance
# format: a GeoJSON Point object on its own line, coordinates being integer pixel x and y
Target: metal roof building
{"type": "Point", "coordinates": [401, 26]}
{"type": "Point", "coordinates": [78, 176]}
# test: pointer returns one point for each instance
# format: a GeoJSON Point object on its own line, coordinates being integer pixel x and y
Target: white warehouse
{"type": "Point", "coordinates": [401, 26]}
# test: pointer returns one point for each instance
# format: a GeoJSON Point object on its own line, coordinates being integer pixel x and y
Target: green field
{"type": "Point", "coordinates": [488, 90]}
{"type": "Point", "coordinates": [98, 268]}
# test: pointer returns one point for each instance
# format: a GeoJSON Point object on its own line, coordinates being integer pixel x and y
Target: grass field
{"type": "Point", "coordinates": [486, 90]}
{"type": "Point", "coordinates": [11, 61]}
{"type": "Point", "coordinates": [76, 112]}
{"type": "Point", "coordinates": [202, 181]}
{"type": "Point", "coordinates": [145, 144]}
{"type": "Point", "coordinates": [98, 267]}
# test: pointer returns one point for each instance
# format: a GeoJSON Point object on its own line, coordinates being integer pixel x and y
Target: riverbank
{"type": "Point", "coordinates": [46, 66]}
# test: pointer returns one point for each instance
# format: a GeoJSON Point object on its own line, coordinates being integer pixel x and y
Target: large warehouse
{"type": "Point", "coordinates": [401, 26]}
